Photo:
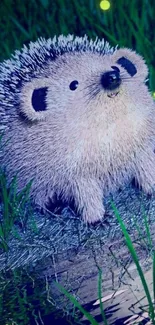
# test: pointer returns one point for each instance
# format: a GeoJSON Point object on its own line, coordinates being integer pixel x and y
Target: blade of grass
{"type": "Point", "coordinates": [137, 35]}
{"type": "Point", "coordinates": [20, 27]}
{"type": "Point", "coordinates": [13, 189]}
{"type": "Point", "coordinates": [76, 303]}
{"type": "Point", "coordinates": [103, 30]}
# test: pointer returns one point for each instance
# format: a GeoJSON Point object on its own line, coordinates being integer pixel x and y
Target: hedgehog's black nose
{"type": "Point", "coordinates": [110, 80]}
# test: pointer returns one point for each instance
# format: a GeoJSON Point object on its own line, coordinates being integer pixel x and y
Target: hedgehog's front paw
{"type": "Point", "coordinates": [92, 216]}
{"type": "Point", "coordinates": [148, 189]}
{"type": "Point", "coordinates": [148, 185]}
{"type": "Point", "coordinates": [88, 198]}
{"type": "Point", "coordinates": [146, 173]}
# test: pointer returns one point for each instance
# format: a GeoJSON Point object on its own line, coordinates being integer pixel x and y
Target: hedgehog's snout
{"type": "Point", "coordinates": [111, 80]}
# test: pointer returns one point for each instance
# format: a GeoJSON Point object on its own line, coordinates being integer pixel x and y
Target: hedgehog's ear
{"type": "Point", "coordinates": [132, 62]}
{"type": "Point", "coordinates": [34, 100]}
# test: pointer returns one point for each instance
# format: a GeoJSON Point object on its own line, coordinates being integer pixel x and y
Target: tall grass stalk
{"type": "Point", "coordinates": [77, 304]}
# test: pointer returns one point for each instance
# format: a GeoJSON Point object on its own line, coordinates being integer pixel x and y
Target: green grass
{"type": "Point", "coordinates": [25, 299]}
{"type": "Point", "coordinates": [15, 207]}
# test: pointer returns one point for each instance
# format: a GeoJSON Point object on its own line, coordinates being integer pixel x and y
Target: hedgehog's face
{"type": "Point", "coordinates": [76, 83]}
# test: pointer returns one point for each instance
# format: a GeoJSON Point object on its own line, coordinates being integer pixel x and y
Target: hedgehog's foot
{"type": "Point", "coordinates": [146, 173]}
{"type": "Point", "coordinates": [148, 189]}
{"type": "Point", "coordinates": [88, 200]}
{"type": "Point", "coordinates": [91, 215]}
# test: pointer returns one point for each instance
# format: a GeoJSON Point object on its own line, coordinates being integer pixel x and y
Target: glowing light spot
{"type": "Point", "coordinates": [153, 94]}
{"type": "Point", "coordinates": [104, 4]}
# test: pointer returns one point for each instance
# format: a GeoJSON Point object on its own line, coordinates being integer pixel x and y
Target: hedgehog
{"type": "Point", "coordinates": [78, 119]}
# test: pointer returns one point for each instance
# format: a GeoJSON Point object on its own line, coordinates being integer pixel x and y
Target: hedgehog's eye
{"type": "Point", "coordinates": [39, 99]}
{"type": "Point", "coordinates": [73, 85]}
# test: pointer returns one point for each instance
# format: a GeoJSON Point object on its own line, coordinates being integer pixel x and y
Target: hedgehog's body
{"type": "Point", "coordinates": [80, 119]}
